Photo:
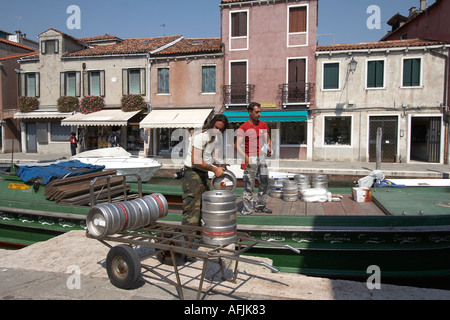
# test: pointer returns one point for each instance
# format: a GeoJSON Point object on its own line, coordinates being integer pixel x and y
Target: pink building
{"type": "Point", "coordinates": [269, 57]}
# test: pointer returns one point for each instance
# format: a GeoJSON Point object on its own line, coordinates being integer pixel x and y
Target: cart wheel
{"type": "Point", "coordinates": [123, 266]}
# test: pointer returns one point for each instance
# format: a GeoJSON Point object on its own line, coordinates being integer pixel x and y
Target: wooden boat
{"type": "Point", "coordinates": [405, 232]}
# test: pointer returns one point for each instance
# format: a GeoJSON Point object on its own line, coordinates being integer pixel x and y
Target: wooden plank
{"type": "Point", "coordinates": [314, 209]}
{"type": "Point", "coordinates": [333, 208]}
{"type": "Point", "coordinates": [350, 206]}
{"type": "Point", "coordinates": [370, 208]}
{"type": "Point", "coordinates": [298, 208]}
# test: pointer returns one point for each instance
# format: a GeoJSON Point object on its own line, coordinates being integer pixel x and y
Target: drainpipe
{"type": "Point", "coordinates": [149, 67]}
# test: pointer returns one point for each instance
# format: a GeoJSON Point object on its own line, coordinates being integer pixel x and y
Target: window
{"type": "Point", "coordinates": [411, 72]}
{"type": "Point", "coordinates": [208, 79]}
{"type": "Point", "coordinates": [29, 84]}
{"type": "Point", "coordinates": [163, 80]}
{"type": "Point", "coordinates": [338, 130]}
{"type": "Point", "coordinates": [297, 19]}
{"type": "Point", "coordinates": [59, 133]}
{"type": "Point", "coordinates": [133, 81]}
{"type": "Point", "coordinates": [375, 74]}
{"type": "Point", "coordinates": [239, 24]}
{"type": "Point", "coordinates": [331, 76]}
{"type": "Point", "coordinates": [49, 46]}
{"type": "Point", "coordinates": [70, 84]}
{"type": "Point", "coordinates": [293, 133]}
{"type": "Point", "coordinates": [94, 83]}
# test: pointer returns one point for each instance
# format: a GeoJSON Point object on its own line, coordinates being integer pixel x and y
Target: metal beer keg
{"type": "Point", "coordinates": [290, 190]}
{"type": "Point", "coordinates": [111, 218]}
{"type": "Point", "coordinates": [319, 181]}
{"type": "Point", "coordinates": [219, 218]}
{"type": "Point", "coordinates": [227, 182]}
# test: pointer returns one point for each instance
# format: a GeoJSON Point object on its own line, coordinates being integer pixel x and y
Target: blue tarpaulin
{"type": "Point", "coordinates": [56, 171]}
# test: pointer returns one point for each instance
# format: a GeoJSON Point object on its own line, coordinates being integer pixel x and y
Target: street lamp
{"type": "Point", "coordinates": [352, 65]}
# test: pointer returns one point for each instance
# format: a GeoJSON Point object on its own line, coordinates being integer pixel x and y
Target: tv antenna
{"type": "Point", "coordinates": [164, 27]}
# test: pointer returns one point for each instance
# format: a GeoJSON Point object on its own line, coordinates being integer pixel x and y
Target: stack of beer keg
{"type": "Point", "coordinates": [276, 187]}
{"type": "Point", "coordinates": [111, 218]}
{"type": "Point", "coordinates": [290, 190]}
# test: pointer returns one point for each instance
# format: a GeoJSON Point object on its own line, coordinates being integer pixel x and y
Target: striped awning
{"type": "Point", "coordinates": [176, 118]}
{"type": "Point", "coordinates": [41, 115]}
{"type": "Point", "coordinates": [101, 118]}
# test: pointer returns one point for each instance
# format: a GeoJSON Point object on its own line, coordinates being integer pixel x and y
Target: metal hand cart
{"type": "Point", "coordinates": [171, 241]}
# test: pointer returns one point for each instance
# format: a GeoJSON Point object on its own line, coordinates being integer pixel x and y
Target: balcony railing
{"type": "Point", "coordinates": [297, 93]}
{"type": "Point", "coordinates": [238, 94]}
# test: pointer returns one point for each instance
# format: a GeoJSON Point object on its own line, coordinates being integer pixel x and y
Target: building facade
{"type": "Point", "coordinates": [10, 52]}
{"type": "Point", "coordinates": [398, 86]}
{"type": "Point", "coordinates": [269, 49]}
{"type": "Point", "coordinates": [160, 70]}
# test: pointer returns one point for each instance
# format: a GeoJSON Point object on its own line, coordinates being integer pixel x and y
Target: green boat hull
{"type": "Point", "coordinates": [335, 246]}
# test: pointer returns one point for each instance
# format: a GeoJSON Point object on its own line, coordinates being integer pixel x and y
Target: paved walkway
{"type": "Point", "coordinates": [71, 267]}
{"type": "Point", "coordinates": [397, 170]}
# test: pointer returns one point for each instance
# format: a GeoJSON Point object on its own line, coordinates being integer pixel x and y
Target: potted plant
{"type": "Point", "coordinates": [68, 104]}
{"type": "Point", "coordinates": [28, 104]}
{"type": "Point", "coordinates": [132, 102]}
{"type": "Point", "coordinates": [91, 104]}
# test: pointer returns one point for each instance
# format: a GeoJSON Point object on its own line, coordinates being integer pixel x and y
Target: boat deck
{"type": "Point", "coordinates": [347, 206]}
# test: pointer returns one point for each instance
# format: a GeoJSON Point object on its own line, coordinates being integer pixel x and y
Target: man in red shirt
{"type": "Point", "coordinates": [255, 135]}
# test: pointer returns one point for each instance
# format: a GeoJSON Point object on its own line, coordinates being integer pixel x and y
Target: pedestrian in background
{"type": "Point", "coordinates": [73, 143]}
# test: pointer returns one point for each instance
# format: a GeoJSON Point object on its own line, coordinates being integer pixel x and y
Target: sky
{"type": "Point", "coordinates": [340, 21]}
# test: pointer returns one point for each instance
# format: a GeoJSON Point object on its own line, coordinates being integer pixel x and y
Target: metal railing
{"type": "Point", "coordinates": [238, 94]}
{"type": "Point", "coordinates": [297, 93]}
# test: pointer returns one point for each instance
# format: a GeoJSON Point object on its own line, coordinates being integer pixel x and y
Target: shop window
{"type": "Point", "coordinates": [338, 130]}
{"type": "Point", "coordinates": [293, 133]}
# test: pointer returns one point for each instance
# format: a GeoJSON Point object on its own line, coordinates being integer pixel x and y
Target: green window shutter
{"type": "Point", "coordinates": [411, 72]}
{"type": "Point", "coordinates": [415, 73]}
{"type": "Point", "coordinates": [142, 81]}
{"type": "Point", "coordinates": [38, 84]}
{"type": "Point", "coordinates": [379, 82]}
{"type": "Point", "coordinates": [375, 74]}
{"type": "Point", "coordinates": [124, 81]}
{"type": "Point", "coordinates": [331, 76]}
{"type": "Point", "coordinates": [62, 84]}
{"type": "Point", "coordinates": [371, 74]}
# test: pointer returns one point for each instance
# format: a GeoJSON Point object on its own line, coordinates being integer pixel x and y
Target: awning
{"type": "Point", "coordinates": [41, 115]}
{"type": "Point", "coordinates": [270, 116]}
{"type": "Point", "coordinates": [100, 118]}
{"type": "Point", "coordinates": [176, 118]}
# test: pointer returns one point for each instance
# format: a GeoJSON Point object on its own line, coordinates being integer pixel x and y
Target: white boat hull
{"type": "Point", "coordinates": [122, 161]}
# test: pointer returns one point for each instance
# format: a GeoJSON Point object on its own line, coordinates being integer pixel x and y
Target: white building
{"type": "Point", "coordinates": [396, 85]}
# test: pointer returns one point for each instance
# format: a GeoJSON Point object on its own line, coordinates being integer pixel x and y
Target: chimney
{"type": "Point", "coordinates": [423, 5]}
{"type": "Point", "coordinates": [412, 10]}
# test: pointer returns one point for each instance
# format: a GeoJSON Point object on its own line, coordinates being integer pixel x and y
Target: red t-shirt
{"type": "Point", "coordinates": [252, 134]}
